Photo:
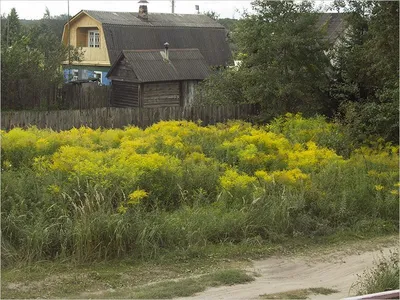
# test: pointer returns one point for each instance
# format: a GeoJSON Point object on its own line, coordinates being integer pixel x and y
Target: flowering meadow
{"type": "Point", "coordinates": [91, 194]}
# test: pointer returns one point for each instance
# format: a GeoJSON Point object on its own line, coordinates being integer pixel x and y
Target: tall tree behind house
{"type": "Point", "coordinates": [365, 81]}
{"type": "Point", "coordinates": [284, 65]}
{"type": "Point", "coordinates": [30, 63]}
{"type": "Point", "coordinates": [11, 29]}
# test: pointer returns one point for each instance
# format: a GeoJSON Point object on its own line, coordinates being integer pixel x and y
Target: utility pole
{"type": "Point", "coordinates": [69, 45]}
{"type": "Point", "coordinates": [173, 6]}
{"type": "Point", "coordinates": [8, 30]}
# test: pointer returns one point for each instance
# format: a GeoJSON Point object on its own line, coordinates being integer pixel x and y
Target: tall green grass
{"type": "Point", "coordinates": [85, 213]}
{"type": "Point", "coordinates": [384, 276]}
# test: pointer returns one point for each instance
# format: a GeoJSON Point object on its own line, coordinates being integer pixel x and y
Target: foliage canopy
{"type": "Point", "coordinates": [288, 65]}
{"type": "Point", "coordinates": [31, 57]}
{"type": "Point", "coordinates": [284, 67]}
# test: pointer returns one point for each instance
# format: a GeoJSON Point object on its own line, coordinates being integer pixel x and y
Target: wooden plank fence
{"type": "Point", "coordinates": [113, 117]}
{"type": "Point", "coordinates": [85, 96]}
{"type": "Point", "coordinates": [21, 96]}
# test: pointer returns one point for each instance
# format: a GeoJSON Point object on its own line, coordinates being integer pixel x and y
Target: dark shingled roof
{"type": "Point", "coordinates": [335, 25]}
{"type": "Point", "coordinates": [124, 30]}
{"type": "Point", "coordinates": [150, 66]}
{"type": "Point", "coordinates": [210, 41]}
{"type": "Point", "coordinates": [154, 19]}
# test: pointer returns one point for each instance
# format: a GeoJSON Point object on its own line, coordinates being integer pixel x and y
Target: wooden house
{"type": "Point", "coordinates": [333, 25]}
{"type": "Point", "coordinates": [103, 35]}
{"type": "Point", "coordinates": [156, 78]}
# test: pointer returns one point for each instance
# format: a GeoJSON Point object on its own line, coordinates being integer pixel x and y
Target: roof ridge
{"type": "Point", "coordinates": [194, 25]}
{"type": "Point", "coordinates": [161, 49]}
{"type": "Point", "coordinates": [153, 13]}
{"type": "Point", "coordinates": [154, 19]}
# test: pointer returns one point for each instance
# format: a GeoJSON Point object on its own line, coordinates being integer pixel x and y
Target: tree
{"type": "Point", "coordinates": [55, 23]}
{"type": "Point", "coordinates": [12, 29]}
{"type": "Point", "coordinates": [32, 64]}
{"type": "Point", "coordinates": [228, 23]}
{"type": "Point", "coordinates": [212, 14]}
{"type": "Point", "coordinates": [284, 67]}
{"type": "Point", "coordinates": [366, 70]}
{"type": "Point", "coordinates": [47, 14]}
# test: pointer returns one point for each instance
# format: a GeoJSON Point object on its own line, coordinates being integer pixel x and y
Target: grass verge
{"type": "Point", "coordinates": [119, 278]}
{"type": "Point", "coordinates": [190, 286]}
{"type": "Point", "coordinates": [300, 294]}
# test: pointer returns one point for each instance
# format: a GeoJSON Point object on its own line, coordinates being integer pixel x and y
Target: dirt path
{"type": "Point", "coordinates": [336, 270]}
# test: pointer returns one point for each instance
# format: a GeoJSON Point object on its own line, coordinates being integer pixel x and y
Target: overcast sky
{"type": "Point", "coordinates": [35, 9]}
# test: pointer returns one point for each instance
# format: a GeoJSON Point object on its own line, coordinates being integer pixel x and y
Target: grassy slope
{"type": "Point", "coordinates": [127, 278]}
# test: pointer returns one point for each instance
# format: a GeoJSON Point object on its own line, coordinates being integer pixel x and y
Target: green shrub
{"type": "Point", "coordinates": [383, 277]}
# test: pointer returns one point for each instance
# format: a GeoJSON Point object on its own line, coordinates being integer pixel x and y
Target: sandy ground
{"type": "Point", "coordinates": [281, 274]}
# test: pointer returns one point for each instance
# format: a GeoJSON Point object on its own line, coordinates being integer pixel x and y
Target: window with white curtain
{"type": "Point", "coordinates": [94, 39]}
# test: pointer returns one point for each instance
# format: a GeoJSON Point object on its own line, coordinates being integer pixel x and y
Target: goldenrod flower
{"type": "Point", "coordinates": [264, 176]}
{"type": "Point", "coordinates": [232, 179]}
{"type": "Point", "coordinates": [122, 209]}
{"type": "Point", "coordinates": [54, 189]}
{"type": "Point", "coordinates": [136, 196]}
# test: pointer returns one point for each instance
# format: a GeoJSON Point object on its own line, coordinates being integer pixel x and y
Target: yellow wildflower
{"type": "Point", "coordinates": [232, 179]}
{"type": "Point", "coordinates": [379, 187]}
{"type": "Point", "coordinates": [7, 164]}
{"type": "Point", "coordinates": [122, 209]}
{"type": "Point", "coordinates": [290, 176]}
{"type": "Point", "coordinates": [42, 144]}
{"type": "Point", "coordinates": [264, 176]}
{"type": "Point", "coordinates": [136, 196]}
{"type": "Point", "coordinates": [197, 157]}
{"type": "Point", "coordinates": [54, 189]}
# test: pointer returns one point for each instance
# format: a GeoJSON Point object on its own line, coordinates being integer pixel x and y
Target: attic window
{"type": "Point", "coordinates": [94, 39]}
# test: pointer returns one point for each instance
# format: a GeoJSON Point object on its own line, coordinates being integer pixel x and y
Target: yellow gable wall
{"type": "Point", "coordinates": [92, 56]}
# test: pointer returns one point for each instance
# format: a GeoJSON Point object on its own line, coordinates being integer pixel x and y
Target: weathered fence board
{"type": "Point", "coordinates": [114, 117]}
{"type": "Point", "coordinates": [20, 96]}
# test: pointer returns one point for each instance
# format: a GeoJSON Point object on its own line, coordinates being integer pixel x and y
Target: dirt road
{"type": "Point", "coordinates": [336, 270]}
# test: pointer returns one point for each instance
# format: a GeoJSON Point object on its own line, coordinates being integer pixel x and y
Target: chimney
{"type": "Point", "coordinates": [143, 10]}
{"type": "Point", "coordinates": [166, 46]}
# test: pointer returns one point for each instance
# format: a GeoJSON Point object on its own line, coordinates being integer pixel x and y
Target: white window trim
{"type": "Point", "coordinates": [94, 38]}
{"type": "Point", "coordinates": [75, 77]}
{"type": "Point", "coordinates": [101, 76]}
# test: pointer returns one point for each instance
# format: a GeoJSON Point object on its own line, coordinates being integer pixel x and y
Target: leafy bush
{"type": "Point", "coordinates": [372, 120]}
{"type": "Point", "coordinates": [300, 130]}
